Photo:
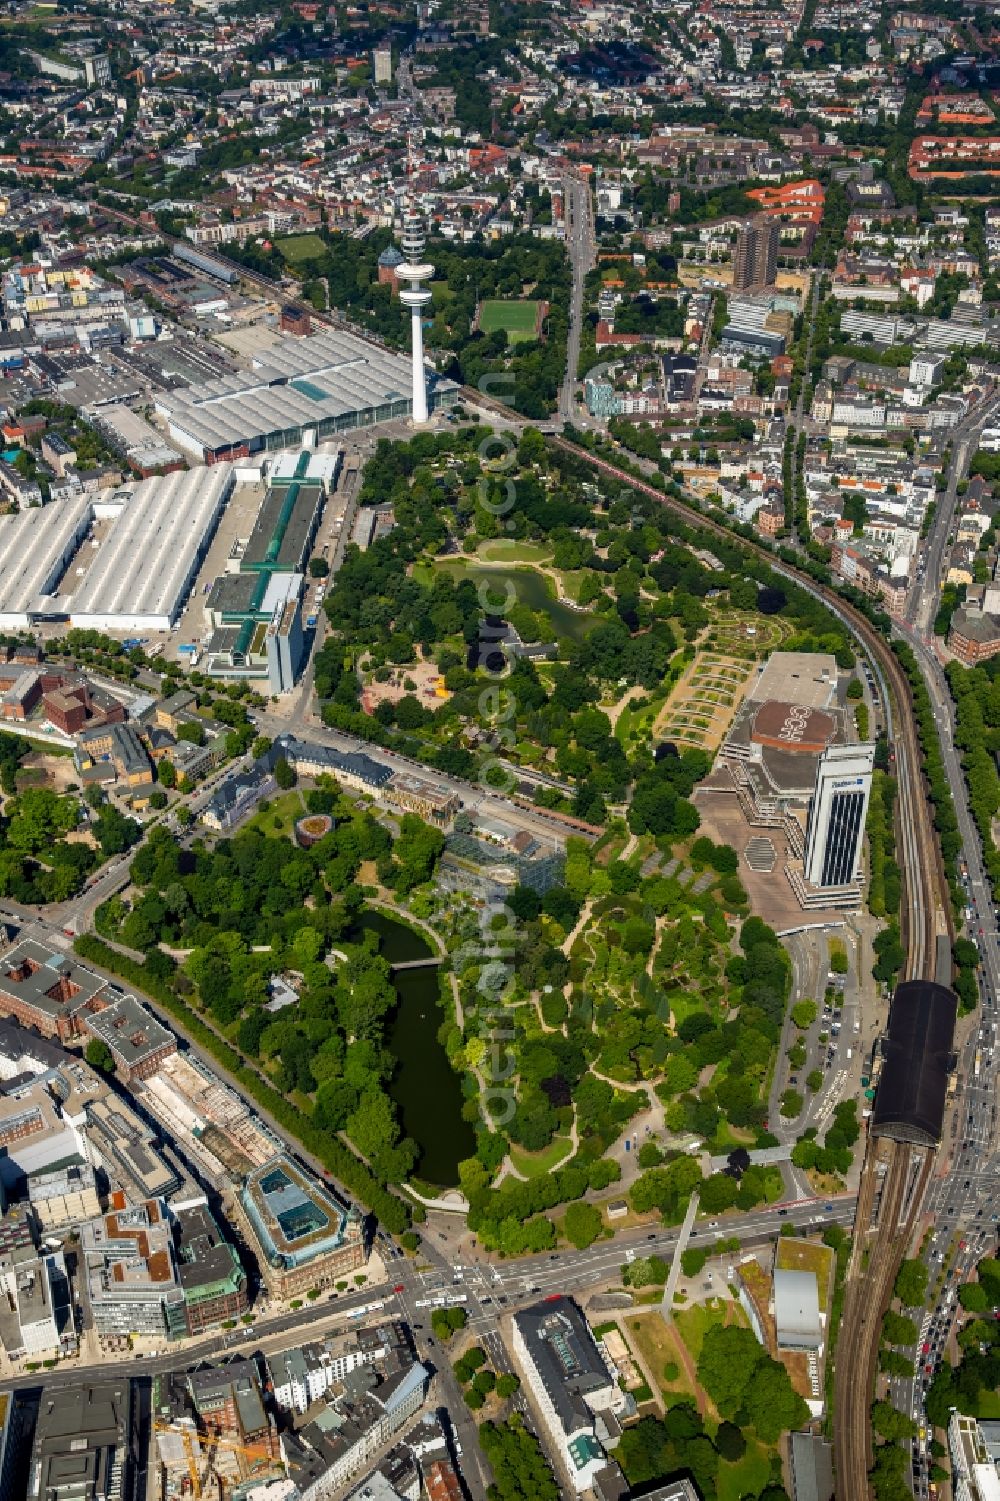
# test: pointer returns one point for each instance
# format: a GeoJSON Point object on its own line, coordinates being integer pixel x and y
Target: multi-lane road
{"type": "Point", "coordinates": [580, 245]}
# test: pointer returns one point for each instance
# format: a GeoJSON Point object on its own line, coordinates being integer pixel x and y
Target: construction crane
{"type": "Point", "coordinates": [188, 1438]}
{"type": "Point", "coordinates": [257, 1453]}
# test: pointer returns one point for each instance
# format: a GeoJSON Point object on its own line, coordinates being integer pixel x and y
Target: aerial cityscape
{"type": "Point", "coordinates": [499, 751]}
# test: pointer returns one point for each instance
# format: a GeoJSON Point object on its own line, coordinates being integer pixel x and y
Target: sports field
{"type": "Point", "coordinates": [518, 319]}
{"type": "Point", "coordinates": [300, 247]}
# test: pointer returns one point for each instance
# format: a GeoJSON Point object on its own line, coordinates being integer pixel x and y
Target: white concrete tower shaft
{"type": "Point", "coordinates": [413, 294]}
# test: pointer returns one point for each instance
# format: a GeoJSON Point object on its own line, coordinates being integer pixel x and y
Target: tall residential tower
{"type": "Point", "coordinates": [413, 294]}
{"type": "Point", "coordinates": [755, 259]}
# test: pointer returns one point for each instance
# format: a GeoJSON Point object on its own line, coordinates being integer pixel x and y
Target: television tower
{"type": "Point", "coordinates": [413, 273]}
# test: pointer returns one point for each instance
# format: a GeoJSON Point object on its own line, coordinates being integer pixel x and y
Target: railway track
{"type": "Point", "coordinates": [925, 915]}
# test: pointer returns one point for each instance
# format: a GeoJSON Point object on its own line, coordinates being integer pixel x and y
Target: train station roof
{"type": "Point", "coordinates": [918, 1056]}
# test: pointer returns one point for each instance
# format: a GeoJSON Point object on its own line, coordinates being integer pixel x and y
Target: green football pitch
{"type": "Point", "coordinates": [518, 319]}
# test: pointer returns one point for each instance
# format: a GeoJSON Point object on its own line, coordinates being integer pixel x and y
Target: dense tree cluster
{"type": "Point", "coordinates": [256, 905]}
{"type": "Point", "coordinates": [637, 568]}
{"type": "Point", "coordinates": [37, 862]}
{"type": "Point", "coordinates": [679, 1444]}
{"type": "Point", "coordinates": [836, 1153]}
{"type": "Point", "coordinates": [521, 1471]}
{"type": "Point", "coordinates": [747, 1385]}
{"type": "Point", "coordinates": [510, 1219]}
{"type": "Point", "coordinates": [978, 1372]}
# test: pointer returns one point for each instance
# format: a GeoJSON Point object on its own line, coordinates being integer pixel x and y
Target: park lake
{"type": "Point", "coordinates": [425, 1086]}
{"type": "Point", "coordinates": [532, 588]}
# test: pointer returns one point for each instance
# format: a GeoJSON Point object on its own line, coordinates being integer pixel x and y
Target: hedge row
{"type": "Point", "coordinates": [335, 1157]}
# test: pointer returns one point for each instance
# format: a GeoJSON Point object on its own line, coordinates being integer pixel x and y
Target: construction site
{"type": "Point", "coordinates": [213, 1435]}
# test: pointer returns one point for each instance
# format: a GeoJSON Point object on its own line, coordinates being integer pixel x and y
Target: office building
{"type": "Point", "coordinates": [36, 1312]}
{"type": "Point", "coordinates": [755, 259]}
{"type": "Point", "coordinates": [65, 1196]}
{"type": "Point", "coordinates": [128, 1273]}
{"type": "Point", "coordinates": [83, 1447]}
{"type": "Point", "coordinates": [237, 796]}
{"type": "Point", "coordinates": [303, 1234]}
{"type": "Point", "coordinates": [212, 1279]}
{"type": "Point", "coordinates": [128, 1149]}
{"type": "Point", "coordinates": [114, 755]}
{"type": "Point", "coordinates": [836, 821]}
{"type": "Point", "coordinates": [571, 1385]}
{"type": "Point", "coordinates": [137, 1041]}
{"type": "Point", "coordinates": [256, 613]}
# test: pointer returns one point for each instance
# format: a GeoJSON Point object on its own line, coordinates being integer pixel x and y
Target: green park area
{"type": "Point", "coordinates": [49, 845]}
{"type": "Point", "coordinates": [280, 815]}
{"type": "Point", "coordinates": [722, 1402]}
{"type": "Point", "coordinates": [642, 999]}
{"type": "Point", "coordinates": [518, 320]}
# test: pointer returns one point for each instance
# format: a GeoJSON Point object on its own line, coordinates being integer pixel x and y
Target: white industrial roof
{"type": "Point", "coordinates": [337, 375]}
{"type": "Point", "coordinates": [35, 547]}
{"type": "Point", "coordinates": [146, 563]}
{"type": "Point", "coordinates": [796, 1305]}
{"type": "Point", "coordinates": [281, 588]}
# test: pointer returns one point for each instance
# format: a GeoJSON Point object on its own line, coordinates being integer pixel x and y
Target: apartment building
{"type": "Point", "coordinates": [755, 259]}
{"type": "Point", "coordinates": [343, 1438]}
{"type": "Point", "coordinates": [301, 1376]}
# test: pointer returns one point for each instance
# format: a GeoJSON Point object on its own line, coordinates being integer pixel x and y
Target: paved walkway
{"type": "Point", "coordinates": [670, 1289]}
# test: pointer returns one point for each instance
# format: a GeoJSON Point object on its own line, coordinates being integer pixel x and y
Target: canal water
{"type": "Point", "coordinates": [426, 1088]}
